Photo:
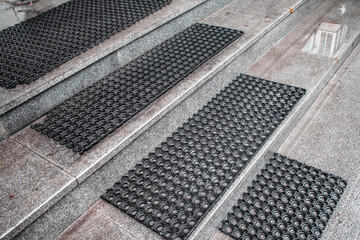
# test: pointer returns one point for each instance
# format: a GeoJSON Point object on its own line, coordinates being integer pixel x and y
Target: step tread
{"type": "Point", "coordinates": [205, 154]}
{"type": "Point", "coordinates": [28, 180]}
{"type": "Point", "coordinates": [327, 138]}
{"type": "Point", "coordinates": [66, 31]}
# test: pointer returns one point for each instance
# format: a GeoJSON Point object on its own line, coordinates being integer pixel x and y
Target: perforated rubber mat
{"type": "Point", "coordinates": [94, 113]}
{"type": "Point", "coordinates": [32, 48]}
{"type": "Point", "coordinates": [288, 200]}
{"type": "Point", "coordinates": [176, 185]}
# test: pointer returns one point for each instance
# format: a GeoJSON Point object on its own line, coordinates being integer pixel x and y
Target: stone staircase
{"type": "Point", "coordinates": [51, 192]}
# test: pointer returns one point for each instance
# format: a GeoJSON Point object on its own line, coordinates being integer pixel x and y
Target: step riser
{"type": "Point", "coordinates": [21, 116]}
{"type": "Point", "coordinates": [63, 213]}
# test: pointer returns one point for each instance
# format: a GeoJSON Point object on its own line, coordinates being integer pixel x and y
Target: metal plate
{"type": "Point", "coordinates": [176, 185]}
{"type": "Point", "coordinates": [85, 119]}
{"type": "Point", "coordinates": [288, 200]}
{"type": "Point", "coordinates": [32, 48]}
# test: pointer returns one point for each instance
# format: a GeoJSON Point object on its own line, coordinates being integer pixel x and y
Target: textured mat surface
{"type": "Point", "coordinates": [172, 189]}
{"type": "Point", "coordinates": [32, 48]}
{"type": "Point", "coordinates": [94, 113]}
{"type": "Point", "coordinates": [288, 200]}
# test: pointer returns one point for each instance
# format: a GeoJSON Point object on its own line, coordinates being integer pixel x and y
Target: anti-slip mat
{"type": "Point", "coordinates": [176, 185]}
{"type": "Point", "coordinates": [85, 119]}
{"type": "Point", "coordinates": [288, 200]}
{"type": "Point", "coordinates": [32, 48]}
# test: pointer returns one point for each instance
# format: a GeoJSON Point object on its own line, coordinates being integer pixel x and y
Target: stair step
{"type": "Point", "coordinates": [327, 138]}
{"type": "Point", "coordinates": [128, 144]}
{"type": "Point", "coordinates": [27, 102]}
{"type": "Point", "coordinates": [28, 183]}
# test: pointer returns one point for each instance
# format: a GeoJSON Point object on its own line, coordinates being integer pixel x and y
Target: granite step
{"type": "Point", "coordinates": [52, 203]}
{"type": "Point", "coordinates": [294, 61]}
{"type": "Point", "coordinates": [27, 102]}
{"type": "Point", "coordinates": [327, 138]}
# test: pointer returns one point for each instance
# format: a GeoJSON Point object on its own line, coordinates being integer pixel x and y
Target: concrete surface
{"type": "Point", "coordinates": [95, 225]}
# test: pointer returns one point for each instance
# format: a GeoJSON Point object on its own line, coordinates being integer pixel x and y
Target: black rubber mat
{"type": "Point", "coordinates": [32, 48]}
{"type": "Point", "coordinates": [94, 113]}
{"type": "Point", "coordinates": [288, 200]}
{"type": "Point", "coordinates": [172, 189]}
